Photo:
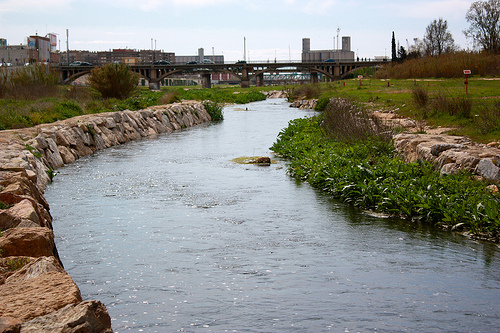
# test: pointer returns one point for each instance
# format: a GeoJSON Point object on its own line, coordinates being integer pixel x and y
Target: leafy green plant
{"type": "Point", "coordinates": [15, 264]}
{"type": "Point", "coordinates": [114, 80]}
{"type": "Point", "coordinates": [33, 150]}
{"type": "Point", "coordinates": [369, 175]}
{"type": "Point", "coordinates": [4, 206]}
{"type": "Point", "coordinates": [214, 110]}
{"type": "Point", "coordinates": [51, 173]}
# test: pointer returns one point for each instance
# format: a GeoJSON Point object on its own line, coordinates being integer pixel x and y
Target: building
{"type": "Point", "coordinates": [218, 59]}
{"type": "Point", "coordinates": [41, 48]}
{"type": "Point", "coordinates": [16, 55]}
{"type": "Point", "coordinates": [77, 55]}
{"type": "Point", "coordinates": [132, 56]}
{"type": "Point", "coordinates": [344, 54]}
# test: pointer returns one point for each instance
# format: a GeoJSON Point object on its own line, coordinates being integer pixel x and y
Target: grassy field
{"type": "Point", "coordinates": [66, 102]}
{"type": "Point", "coordinates": [476, 114]}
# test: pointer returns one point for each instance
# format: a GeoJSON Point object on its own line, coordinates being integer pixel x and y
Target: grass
{"type": "Point", "coordinates": [73, 101]}
{"type": "Point", "coordinates": [442, 96]}
{"type": "Point", "coordinates": [14, 264]}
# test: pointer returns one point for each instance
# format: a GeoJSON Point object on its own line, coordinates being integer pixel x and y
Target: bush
{"type": "Point", "coordinates": [114, 81]}
{"type": "Point", "coordinates": [214, 110]}
{"type": "Point", "coordinates": [420, 96]}
{"type": "Point", "coordinates": [449, 65]}
{"type": "Point", "coordinates": [169, 98]}
{"type": "Point", "coordinates": [29, 83]}
{"type": "Point", "coordinates": [322, 103]}
{"type": "Point", "coordinates": [306, 91]}
{"type": "Point", "coordinates": [488, 119]}
{"type": "Point", "coordinates": [349, 122]}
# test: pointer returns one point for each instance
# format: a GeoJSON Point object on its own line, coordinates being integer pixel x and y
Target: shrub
{"type": "Point", "coordinates": [306, 91]}
{"type": "Point", "coordinates": [169, 98]}
{"type": "Point", "coordinates": [420, 96]}
{"type": "Point", "coordinates": [322, 103]}
{"type": "Point", "coordinates": [460, 107]}
{"type": "Point", "coordinates": [488, 119]}
{"type": "Point", "coordinates": [346, 121]}
{"type": "Point", "coordinates": [214, 110]}
{"type": "Point", "coordinates": [114, 81]}
{"type": "Point", "coordinates": [29, 83]}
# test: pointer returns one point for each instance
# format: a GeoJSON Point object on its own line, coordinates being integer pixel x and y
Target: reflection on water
{"type": "Point", "coordinates": [173, 236]}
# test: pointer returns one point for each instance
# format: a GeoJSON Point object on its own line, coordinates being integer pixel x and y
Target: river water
{"type": "Point", "coordinates": [172, 236]}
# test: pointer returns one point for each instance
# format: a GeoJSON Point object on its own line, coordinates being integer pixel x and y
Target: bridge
{"type": "Point", "coordinates": [243, 71]}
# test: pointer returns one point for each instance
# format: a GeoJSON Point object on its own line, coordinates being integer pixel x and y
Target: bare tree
{"type": "Point", "coordinates": [484, 19]}
{"type": "Point", "coordinates": [438, 39]}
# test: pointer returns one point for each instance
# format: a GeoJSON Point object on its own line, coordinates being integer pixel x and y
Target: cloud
{"type": "Point", "coordinates": [447, 9]}
{"type": "Point", "coordinates": [8, 6]}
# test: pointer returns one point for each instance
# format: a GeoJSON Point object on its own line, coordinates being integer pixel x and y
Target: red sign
{"type": "Point", "coordinates": [467, 71]}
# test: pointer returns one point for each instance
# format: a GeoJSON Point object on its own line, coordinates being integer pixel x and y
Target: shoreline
{"type": "Point", "coordinates": [36, 293]}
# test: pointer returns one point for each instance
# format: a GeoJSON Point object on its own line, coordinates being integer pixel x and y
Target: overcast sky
{"type": "Point", "coordinates": [271, 27]}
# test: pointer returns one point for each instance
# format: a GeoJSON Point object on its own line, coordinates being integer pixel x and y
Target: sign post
{"type": "Point", "coordinates": [467, 72]}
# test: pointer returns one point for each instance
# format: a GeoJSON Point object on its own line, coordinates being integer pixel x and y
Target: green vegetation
{"type": "Point", "coordinates": [114, 80]}
{"type": "Point", "coordinates": [14, 264]}
{"type": "Point", "coordinates": [28, 83]}
{"type": "Point", "coordinates": [67, 102]}
{"type": "Point", "coordinates": [437, 102]}
{"type": "Point", "coordinates": [214, 110]}
{"type": "Point", "coordinates": [366, 173]}
{"type": "Point", "coordinates": [4, 206]}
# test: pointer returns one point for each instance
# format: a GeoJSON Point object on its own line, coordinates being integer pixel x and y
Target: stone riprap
{"type": "Point", "coordinates": [36, 293]}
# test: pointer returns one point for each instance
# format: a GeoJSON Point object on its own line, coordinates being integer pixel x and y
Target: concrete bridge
{"type": "Point", "coordinates": [243, 71]}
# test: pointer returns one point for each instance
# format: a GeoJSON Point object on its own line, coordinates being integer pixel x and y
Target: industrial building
{"type": "Point", "coordinates": [343, 54]}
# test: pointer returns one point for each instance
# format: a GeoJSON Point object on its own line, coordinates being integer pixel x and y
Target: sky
{"type": "Point", "coordinates": [272, 29]}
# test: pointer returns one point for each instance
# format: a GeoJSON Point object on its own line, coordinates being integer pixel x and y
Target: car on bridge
{"type": "Point", "coordinates": [80, 63]}
{"type": "Point", "coordinates": [208, 61]}
{"type": "Point", "coordinates": [330, 60]}
{"type": "Point", "coordinates": [161, 62]}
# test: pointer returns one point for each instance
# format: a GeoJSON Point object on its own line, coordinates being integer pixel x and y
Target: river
{"type": "Point", "coordinates": [172, 235]}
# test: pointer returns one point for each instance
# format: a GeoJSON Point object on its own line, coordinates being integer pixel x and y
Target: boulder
{"type": "Point", "coordinates": [10, 325]}
{"type": "Point", "coordinates": [32, 298]}
{"type": "Point", "coordinates": [35, 268]}
{"type": "Point", "coordinates": [262, 161]}
{"type": "Point", "coordinates": [89, 316]}
{"type": "Point", "coordinates": [31, 242]}
{"type": "Point", "coordinates": [487, 169]}
{"type": "Point", "coordinates": [22, 214]}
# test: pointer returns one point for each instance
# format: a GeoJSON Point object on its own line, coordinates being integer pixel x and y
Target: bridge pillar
{"type": "Point", "coordinates": [154, 83]}
{"type": "Point", "coordinates": [245, 80]}
{"type": "Point", "coordinates": [260, 80]}
{"type": "Point", "coordinates": [314, 77]}
{"type": "Point", "coordinates": [206, 80]}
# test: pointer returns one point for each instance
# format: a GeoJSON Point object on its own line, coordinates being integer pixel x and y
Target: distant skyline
{"type": "Point", "coordinates": [272, 28]}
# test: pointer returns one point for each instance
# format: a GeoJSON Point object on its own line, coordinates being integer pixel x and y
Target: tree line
{"type": "Point", "coordinates": [484, 30]}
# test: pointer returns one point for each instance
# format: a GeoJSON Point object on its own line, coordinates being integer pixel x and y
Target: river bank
{"type": "Point", "coordinates": [35, 291]}
{"type": "Point", "coordinates": [459, 201]}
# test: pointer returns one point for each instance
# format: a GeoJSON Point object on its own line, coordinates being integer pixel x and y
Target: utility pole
{"type": "Point", "coordinates": [244, 48]}
{"type": "Point", "coordinates": [338, 32]}
{"type": "Point", "coordinates": [67, 44]}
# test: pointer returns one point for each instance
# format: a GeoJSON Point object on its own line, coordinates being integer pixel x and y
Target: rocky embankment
{"type": "Point", "coordinates": [36, 293]}
{"type": "Point", "coordinates": [448, 153]}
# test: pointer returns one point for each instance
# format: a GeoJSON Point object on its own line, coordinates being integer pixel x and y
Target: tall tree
{"type": "Point", "coordinates": [438, 39]}
{"type": "Point", "coordinates": [484, 19]}
{"type": "Point", "coordinates": [393, 48]}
